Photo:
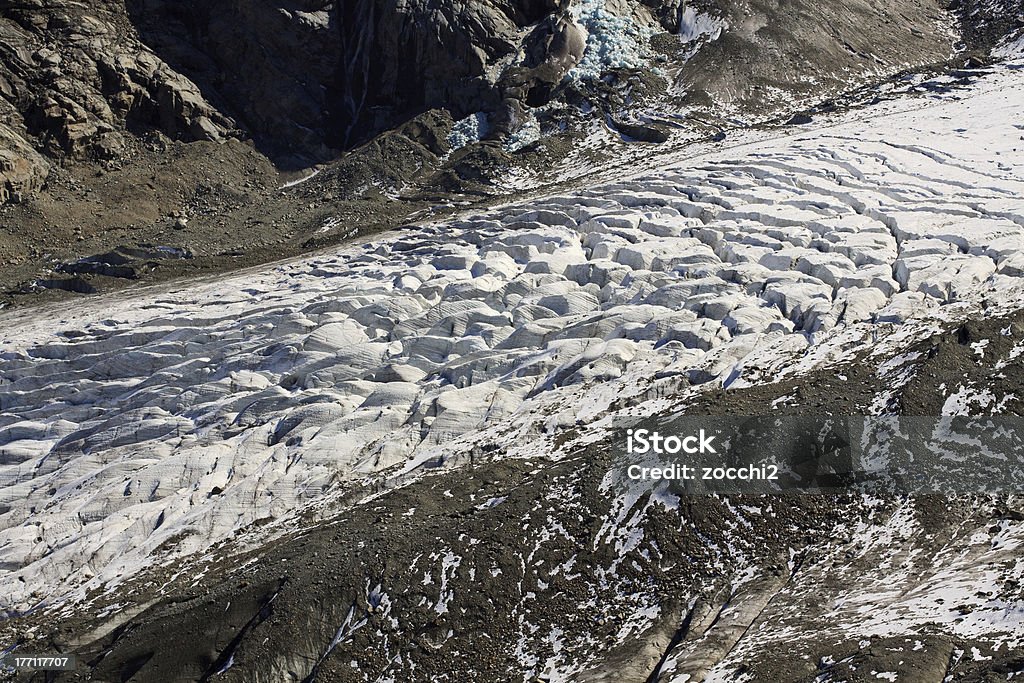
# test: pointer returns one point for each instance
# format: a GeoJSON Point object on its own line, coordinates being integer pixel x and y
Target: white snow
{"type": "Point", "coordinates": [694, 25]}
{"type": "Point", "coordinates": [299, 181]}
{"type": "Point", "coordinates": [615, 39]}
{"type": "Point", "coordinates": [466, 131]}
{"type": "Point", "coordinates": [1011, 48]}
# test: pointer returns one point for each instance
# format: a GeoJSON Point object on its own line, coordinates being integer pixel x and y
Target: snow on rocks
{"type": "Point", "coordinates": [174, 418]}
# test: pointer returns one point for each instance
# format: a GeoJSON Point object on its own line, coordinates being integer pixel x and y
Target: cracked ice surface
{"type": "Point", "coordinates": [174, 418]}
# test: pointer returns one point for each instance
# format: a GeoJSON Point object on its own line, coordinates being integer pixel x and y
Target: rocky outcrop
{"type": "Point", "coordinates": [22, 169]}
{"type": "Point", "coordinates": [436, 56]}
{"type": "Point", "coordinates": [552, 49]}
{"type": "Point", "coordinates": [305, 79]}
{"type": "Point", "coordinates": [310, 79]}
{"type": "Point", "coordinates": [80, 80]}
{"type": "Point", "coordinates": [987, 22]}
{"type": "Point", "coordinates": [271, 64]}
{"type": "Point", "coordinates": [769, 55]}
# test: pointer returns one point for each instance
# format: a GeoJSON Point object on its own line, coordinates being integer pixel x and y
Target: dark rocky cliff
{"type": "Point", "coordinates": [309, 79]}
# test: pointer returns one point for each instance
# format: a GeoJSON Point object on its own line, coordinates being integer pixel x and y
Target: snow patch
{"type": "Point", "coordinates": [469, 130]}
{"type": "Point", "coordinates": [613, 41]}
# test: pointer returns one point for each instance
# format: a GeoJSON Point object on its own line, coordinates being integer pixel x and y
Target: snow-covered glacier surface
{"type": "Point", "coordinates": [171, 419]}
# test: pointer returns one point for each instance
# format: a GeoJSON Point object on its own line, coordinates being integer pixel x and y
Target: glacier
{"type": "Point", "coordinates": [155, 425]}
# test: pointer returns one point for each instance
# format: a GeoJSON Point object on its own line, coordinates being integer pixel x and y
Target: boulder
{"type": "Point", "coordinates": [22, 170]}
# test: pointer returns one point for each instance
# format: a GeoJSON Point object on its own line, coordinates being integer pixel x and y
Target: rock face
{"type": "Point", "coordinates": [308, 80]}
{"type": "Point", "coordinates": [79, 81]}
{"type": "Point", "coordinates": [271, 64]}
{"type": "Point", "coordinates": [310, 77]}
{"type": "Point", "coordinates": [989, 22]}
{"type": "Point", "coordinates": [22, 170]}
{"type": "Point", "coordinates": [437, 54]}
{"type": "Point", "coordinates": [769, 52]}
